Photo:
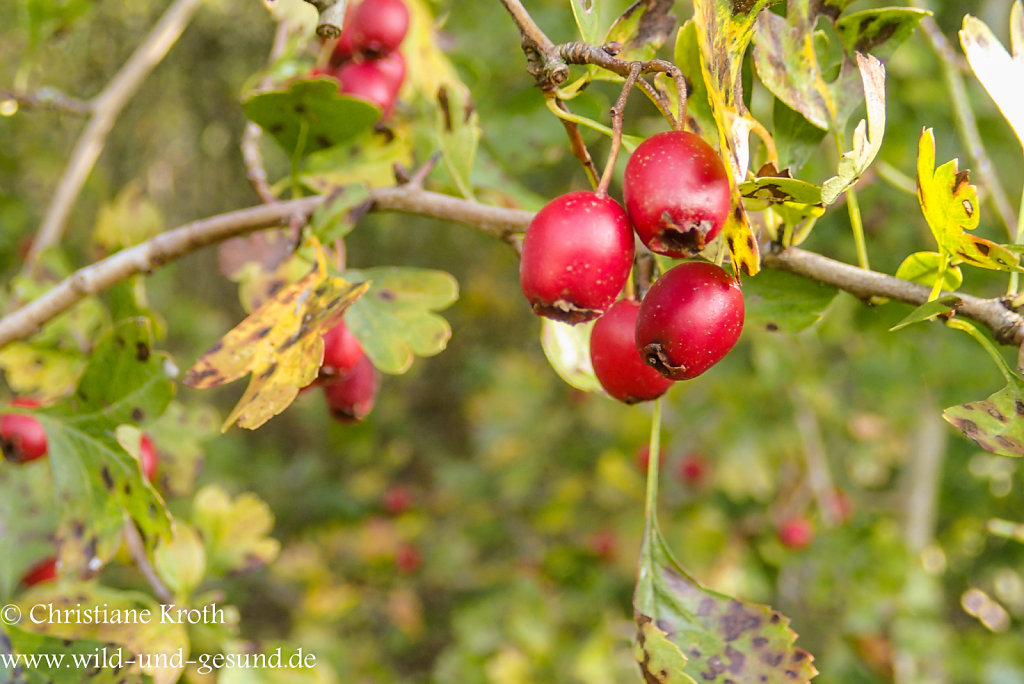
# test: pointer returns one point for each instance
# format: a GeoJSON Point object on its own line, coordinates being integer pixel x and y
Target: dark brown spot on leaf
{"type": "Point", "coordinates": [736, 660]}
{"type": "Point", "coordinates": [387, 295]}
{"type": "Point", "coordinates": [442, 100]}
{"type": "Point", "coordinates": [138, 414]}
{"type": "Point", "coordinates": [706, 606]}
{"type": "Point", "coordinates": [773, 659]}
{"type": "Point", "coordinates": [759, 642]}
{"type": "Point", "coordinates": [994, 412]}
{"type": "Point", "coordinates": [108, 480]}
{"type": "Point", "coordinates": [771, 327]}
{"type": "Point", "coordinates": [141, 351]}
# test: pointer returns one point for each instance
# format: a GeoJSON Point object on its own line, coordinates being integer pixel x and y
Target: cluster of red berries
{"type": "Point", "coordinates": [365, 60]}
{"type": "Point", "coordinates": [578, 253]}
{"type": "Point", "coordinates": [348, 377]}
{"type": "Point", "coordinates": [23, 439]}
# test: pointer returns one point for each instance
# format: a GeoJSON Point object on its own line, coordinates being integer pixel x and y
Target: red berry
{"type": "Point", "coordinates": [345, 47]}
{"type": "Point", "coordinates": [367, 81]}
{"type": "Point", "coordinates": [604, 544]}
{"type": "Point", "coordinates": [379, 26]}
{"type": "Point", "coordinates": [796, 533]}
{"type": "Point", "coordinates": [676, 192]}
{"type": "Point", "coordinates": [689, 320]}
{"type": "Point", "coordinates": [22, 437]}
{"type": "Point", "coordinates": [397, 500]}
{"type": "Point", "coordinates": [693, 469]}
{"type": "Point", "coordinates": [407, 558]}
{"type": "Point", "coordinates": [148, 457]}
{"type": "Point", "coordinates": [342, 351]}
{"type": "Point", "coordinates": [577, 254]}
{"type": "Point", "coordinates": [43, 571]}
{"type": "Point", "coordinates": [617, 364]}
{"type": "Point", "coordinates": [350, 398]}
{"type": "Point", "coordinates": [840, 506]}
{"type": "Point", "coordinates": [392, 67]}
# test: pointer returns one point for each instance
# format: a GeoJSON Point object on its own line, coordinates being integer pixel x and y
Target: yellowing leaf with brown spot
{"type": "Point", "coordinates": [280, 343]}
{"type": "Point", "coordinates": [950, 206]}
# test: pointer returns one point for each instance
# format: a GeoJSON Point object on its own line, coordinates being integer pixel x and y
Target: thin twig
{"type": "Point", "coordinates": [576, 144]}
{"type": "Point", "coordinates": [105, 108]}
{"type": "Point", "coordinates": [617, 117]}
{"type": "Point", "coordinates": [543, 60]}
{"type": "Point", "coordinates": [47, 98]}
{"type": "Point", "coordinates": [137, 550]}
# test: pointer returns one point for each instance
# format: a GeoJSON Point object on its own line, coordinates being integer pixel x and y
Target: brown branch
{"type": "Point", "coordinates": [105, 108]}
{"type": "Point", "coordinates": [47, 98]}
{"type": "Point", "coordinates": [543, 59]}
{"type": "Point", "coordinates": [576, 144]}
{"type": "Point", "coordinates": [137, 550]}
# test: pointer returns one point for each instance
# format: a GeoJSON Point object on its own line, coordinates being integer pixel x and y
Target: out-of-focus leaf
{"type": "Point", "coordinates": [427, 66]}
{"type": "Point", "coordinates": [39, 370]}
{"type": "Point", "coordinates": [591, 19]}
{"type": "Point", "coordinates": [369, 161]}
{"type": "Point", "coordinates": [724, 30]}
{"type": "Point", "coordinates": [1000, 72]}
{"type": "Point", "coordinates": [722, 638]}
{"type": "Point", "coordinates": [567, 348]}
{"type": "Point", "coordinates": [796, 138]}
{"type": "Point", "coordinates": [927, 267]}
{"type": "Point", "coordinates": [778, 300]}
{"type": "Point", "coordinates": [687, 58]}
{"type": "Point", "coordinates": [235, 531]}
{"type": "Point", "coordinates": [335, 218]}
{"type": "Point", "coordinates": [310, 115]}
{"type": "Point", "coordinates": [280, 343]}
{"type": "Point", "coordinates": [867, 137]}
{"type": "Point", "coordinates": [788, 65]}
{"type": "Point", "coordinates": [27, 521]}
{"type": "Point", "coordinates": [660, 660]}
{"type": "Point", "coordinates": [942, 305]}
{"type": "Point", "coordinates": [878, 31]}
{"type": "Point", "coordinates": [163, 638]}
{"type": "Point", "coordinates": [950, 206]}
{"type": "Point", "coordinates": [458, 132]}
{"type": "Point", "coordinates": [37, 665]}
{"type": "Point", "coordinates": [996, 424]}
{"type": "Point", "coordinates": [181, 561]}
{"type": "Point", "coordinates": [97, 482]}
{"type": "Point", "coordinates": [395, 321]}
{"type": "Point", "coordinates": [178, 438]}
{"type": "Point", "coordinates": [642, 29]}
{"type": "Point", "coordinates": [127, 220]}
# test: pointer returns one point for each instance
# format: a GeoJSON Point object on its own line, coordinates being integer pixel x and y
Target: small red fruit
{"type": "Point", "coordinates": [342, 351]}
{"type": "Point", "coordinates": [350, 398]}
{"type": "Point", "coordinates": [379, 26]}
{"type": "Point", "coordinates": [397, 500]}
{"type": "Point", "coordinates": [577, 254]}
{"type": "Point", "coordinates": [148, 458]}
{"type": "Point", "coordinates": [796, 533]}
{"type": "Point", "coordinates": [676, 192]}
{"type": "Point", "coordinates": [619, 368]}
{"type": "Point", "coordinates": [689, 320]}
{"type": "Point", "coordinates": [407, 558]}
{"type": "Point", "coordinates": [345, 48]}
{"type": "Point", "coordinates": [692, 470]}
{"type": "Point", "coordinates": [367, 81]}
{"type": "Point", "coordinates": [392, 67]}
{"type": "Point", "coordinates": [22, 437]}
{"type": "Point", "coordinates": [43, 571]}
{"type": "Point", "coordinates": [604, 544]}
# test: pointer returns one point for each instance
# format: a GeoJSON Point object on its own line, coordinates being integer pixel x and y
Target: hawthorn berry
{"type": "Point", "coordinates": [796, 533]}
{"type": "Point", "coordinates": [577, 254]}
{"type": "Point", "coordinates": [617, 363]}
{"type": "Point", "coordinates": [407, 558]}
{"type": "Point", "coordinates": [367, 81]}
{"type": "Point", "coordinates": [397, 500]}
{"type": "Point", "coordinates": [689, 320]}
{"type": "Point", "coordinates": [350, 398]}
{"type": "Point", "coordinates": [379, 26]}
{"type": "Point", "coordinates": [43, 571]}
{"type": "Point", "coordinates": [342, 351]}
{"type": "Point", "coordinates": [22, 437]}
{"type": "Point", "coordinates": [693, 469]}
{"type": "Point", "coordinates": [676, 192]}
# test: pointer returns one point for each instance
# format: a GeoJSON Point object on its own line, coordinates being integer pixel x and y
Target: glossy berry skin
{"type": "Point", "coordinates": [392, 67]}
{"type": "Point", "coordinates": [689, 320]}
{"type": "Point", "coordinates": [619, 368]}
{"type": "Point", "coordinates": [676, 192]}
{"type": "Point", "coordinates": [379, 26]}
{"type": "Point", "coordinates": [22, 437]}
{"type": "Point", "coordinates": [367, 81]}
{"type": "Point", "coordinates": [350, 398]}
{"type": "Point", "coordinates": [43, 571]}
{"type": "Point", "coordinates": [577, 254]}
{"type": "Point", "coordinates": [796, 533]}
{"type": "Point", "coordinates": [342, 351]}
{"type": "Point", "coordinates": [148, 458]}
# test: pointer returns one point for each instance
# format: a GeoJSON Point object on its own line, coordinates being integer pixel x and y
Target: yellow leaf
{"type": "Point", "coordinates": [280, 343]}
{"type": "Point", "coordinates": [950, 206]}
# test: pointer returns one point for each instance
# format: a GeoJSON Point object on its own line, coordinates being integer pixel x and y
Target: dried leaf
{"type": "Point", "coordinates": [1000, 73]}
{"type": "Point", "coordinates": [280, 343]}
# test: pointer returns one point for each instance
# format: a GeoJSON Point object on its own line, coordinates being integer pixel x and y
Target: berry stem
{"type": "Point", "coordinates": [617, 117]}
{"type": "Point", "coordinates": [653, 464]}
{"type": "Point", "coordinates": [572, 129]}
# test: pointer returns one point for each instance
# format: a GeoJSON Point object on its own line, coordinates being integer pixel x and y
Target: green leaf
{"type": "Point", "coordinates": [723, 639]}
{"type": "Point", "coordinates": [867, 138]}
{"type": "Point", "coordinates": [660, 660]}
{"type": "Point", "coordinates": [996, 424]}
{"type": "Point", "coordinates": [642, 29]}
{"type": "Point", "coordinates": [335, 218]}
{"type": "Point", "coordinates": [778, 300]}
{"type": "Point", "coordinates": [927, 267]}
{"type": "Point", "coordinates": [1000, 72]}
{"type": "Point", "coordinates": [567, 348]}
{"type": "Point", "coordinates": [687, 58]}
{"type": "Point", "coordinates": [394, 320]}
{"type": "Point", "coordinates": [97, 482]}
{"type": "Point", "coordinates": [38, 655]}
{"type": "Point", "coordinates": [181, 561]}
{"type": "Point", "coordinates": [178, 437]}
{"type": "Point", "coordinates": [782, 190]}
{"type": "Point", "coordinates": [36, 369]}
{"type": "Point", "coordinates": [796, 138]}
{"type": "Point", "coordinates": [234, 531]}
{"type": "Point", "coordinates": [878, 31]}
{"type": "Point", "coordinates": [590, 19]}
{"type": "Point", "coordinates": [142, 633]}
{"type": "Point", "coordinates": [928, 310]}
{"type": "Point", "coordinates": [127, 220]}
{"type": "Point", "coordinates": [27, 520]}
{"type": "Point", "coordinates": [312, 114]}
{"type": "Point", "coordinates": [458, 132]}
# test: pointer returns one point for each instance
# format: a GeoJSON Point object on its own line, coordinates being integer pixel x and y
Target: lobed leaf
{"type": "Point", "coordinates": [1000, 72]}
{"type": "Point", "coordinates": [395, 321]}
{"type": "Point", "coordinates": [235, 531]}
{"type": "Point", "coordinates": [660, 660]}
{"type": "Point", "coordinates": [280, 344]}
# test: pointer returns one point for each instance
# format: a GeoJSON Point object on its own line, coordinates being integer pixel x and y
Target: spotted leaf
{"type": "Point", "coordinates": [878, 31]}
{"type": "Point", "coordinates": [660, 661]}
{"type": "Point", "coordinates": [280, 344]}
{"type": "Point", "coordinates": [722, 639]}
{"type": "Point", "coordinates": [42, 670]}
{"type": "Point", "coordinates": [996, 423]}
